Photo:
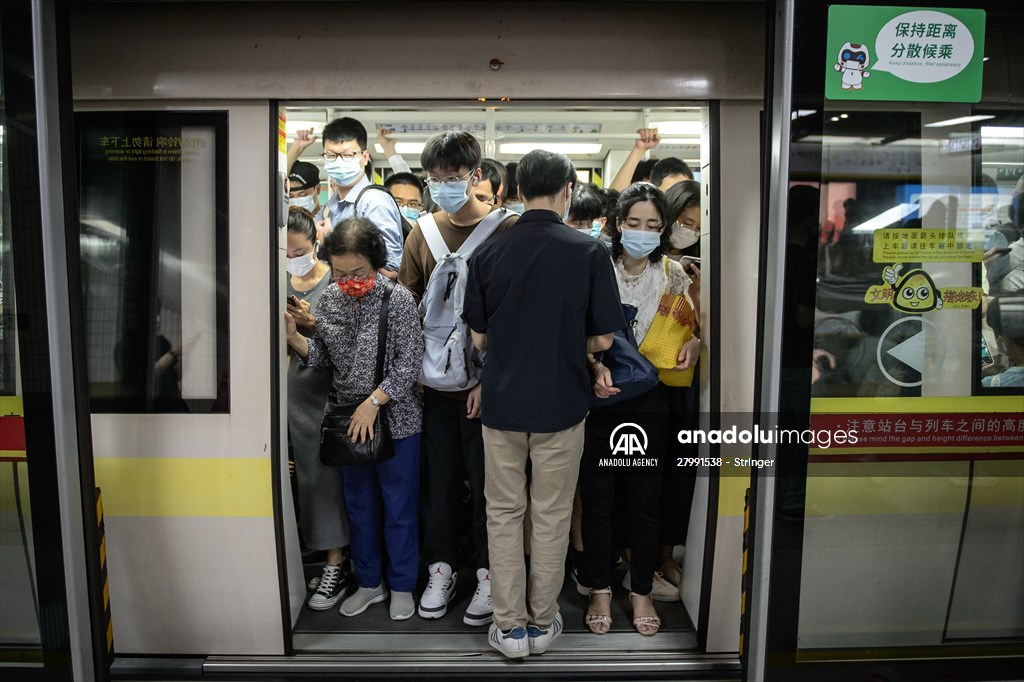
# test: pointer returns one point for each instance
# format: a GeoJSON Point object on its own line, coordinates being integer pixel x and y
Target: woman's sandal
{"type": "Point", "coordinates": [645, 625]}
{"type": "Point", "coordinates": [599, 623]}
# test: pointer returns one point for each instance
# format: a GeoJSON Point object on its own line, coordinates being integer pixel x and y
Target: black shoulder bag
{"type": "Point", "coordinates": [336, 448]}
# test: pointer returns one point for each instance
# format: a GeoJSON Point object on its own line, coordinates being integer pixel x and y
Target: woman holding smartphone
{"type": "Point", "coordinates": [322, 514]}
{"type": "Point", "coordinates": [677, 490]}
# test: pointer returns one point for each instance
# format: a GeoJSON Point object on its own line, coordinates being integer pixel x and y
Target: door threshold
{"type": "Point", "coordinates": [475, 643]}
{"type": "Point", "coordinates": [562, 663]}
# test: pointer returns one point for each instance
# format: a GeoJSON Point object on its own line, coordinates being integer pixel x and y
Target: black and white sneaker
{"type": "Point", "coordinates": [330, 589]}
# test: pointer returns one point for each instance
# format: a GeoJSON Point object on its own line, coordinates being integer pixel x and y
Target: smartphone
{"type": "Point", "coordinates": [690, 260]}
{"type": "Point", "coordinates": [294, 300]}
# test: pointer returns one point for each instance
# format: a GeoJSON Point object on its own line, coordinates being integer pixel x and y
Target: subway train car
{"type": "Point", "coordinates": [850, 469]}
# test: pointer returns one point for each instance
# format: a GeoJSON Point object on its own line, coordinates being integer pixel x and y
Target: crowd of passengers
{"type": "Point", "coordinates": [519, 435]}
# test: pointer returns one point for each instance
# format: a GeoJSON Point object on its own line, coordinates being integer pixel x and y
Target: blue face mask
{"type": "Point", "coordinates": [595, 228]}
{"type": "Point", "coordinates": [410, 213]}
{"type": "Point", "coordinates": [450, 197]}
{"type": "Point", "coordinates": [344, 173]}
{"type": "Point", "coordinates": [640, 243]}
{"type": "Point", "coordinates": [515, 207]}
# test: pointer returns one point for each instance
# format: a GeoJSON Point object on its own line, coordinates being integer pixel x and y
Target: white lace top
{"type": "Point", "coordinates": [645, 290]}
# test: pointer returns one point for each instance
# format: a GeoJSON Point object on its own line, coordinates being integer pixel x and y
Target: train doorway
{"type": "Point", "coordinates": [598, 138]}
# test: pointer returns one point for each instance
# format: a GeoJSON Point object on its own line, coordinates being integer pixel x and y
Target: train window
{"type": "Point", "coordinates": [19, 617]}
{"type": "Point", "coordinates": [153, 202]}
{"type": "Point", "coordinates": [8, 351]}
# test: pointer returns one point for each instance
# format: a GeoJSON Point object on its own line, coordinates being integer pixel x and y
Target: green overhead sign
{"type": "Point", "coordinates": [904, 54]}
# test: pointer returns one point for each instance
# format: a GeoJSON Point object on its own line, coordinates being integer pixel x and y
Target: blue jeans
{"type": "Point", "coordinates": [385, 496]}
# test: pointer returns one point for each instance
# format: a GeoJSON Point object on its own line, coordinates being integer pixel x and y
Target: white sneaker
{"type": "Point", "coordinates": [440, 590]}
{"type": "Point", "coordinates": [362, 598]}
{"type": "Point", "coordinates": [511, 644]}
{"type": "Point", "coordinates": [661, 589]}
{"type": "Point", "coordinates": [402, 605]}
{"type": "Point", "coordinates": [540, 640]}
{"type": "Point", "coordinates": [479, 611]}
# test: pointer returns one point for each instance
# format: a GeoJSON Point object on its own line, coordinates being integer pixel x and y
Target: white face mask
{"type": "Point", "coordinates": [300, 266]}
{"type": "Point", "coordinates": [307, 202]}
{"type": "Point", "coordinates": [683, 237]}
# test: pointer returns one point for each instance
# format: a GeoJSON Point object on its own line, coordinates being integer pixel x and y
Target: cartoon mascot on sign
{"type": "Point", "coordinates": [914, 292]}
{"type": "Point", "coordinates": [853, 62]}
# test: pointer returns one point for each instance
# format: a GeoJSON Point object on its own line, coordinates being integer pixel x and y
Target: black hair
{"type": "Point", "coordinates": [637, 193]}
{"type": "Point", "coordinates": [667, 167]}
{"type": "Point", "coordinates": [543, 174]}
{"type": "Point", "coordinates": [588, 202]}
{"type": "Point", "coordinates": [300, 221]}
{"type": "Point", "coordinates": [345, 129]}
{"type": "Point", "coordinates": [511, 187]}
{"type": "Point", "coordinates": [451, 151]}
{"type": "Point", "coordinates": [403, 179]}
{"type": "Point", "coordinates": [429, 205]}
{"type": "Point", "coordinates": [643, 170]}
{"type": "Point", "coordinates": [1007, 308]}
{"type": "Point", "coordinates": [357, 236]}
{"type": "Point", "coordinates": [611, 202]}
{"type": "Point", "coordinates": [496, 174]}
{"type": "Point", "coordinates": [682, 196]}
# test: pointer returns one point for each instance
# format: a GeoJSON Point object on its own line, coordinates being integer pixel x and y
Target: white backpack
{"type": "Point", "coordinates": [450, 360]}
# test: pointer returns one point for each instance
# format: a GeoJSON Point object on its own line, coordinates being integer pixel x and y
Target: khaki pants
{"type": "Point", "coordinates": [556, 464]}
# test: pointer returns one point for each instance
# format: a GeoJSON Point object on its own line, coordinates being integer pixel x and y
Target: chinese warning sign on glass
{"type": "Point", "coordinates": [904, 54]}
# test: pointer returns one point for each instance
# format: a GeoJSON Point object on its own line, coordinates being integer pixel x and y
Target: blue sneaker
{"type": "Point", "coordinates": [511, 644]}
{"type": "Point", "coordinates": [540, 640]}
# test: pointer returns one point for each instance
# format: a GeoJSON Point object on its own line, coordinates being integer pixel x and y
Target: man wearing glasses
{"type": "Point", "coordinates": [407, 190]}
{"type": "Point", "coordinates": [453, 441]}
{"type": "Point", "coordinates": [345, 160]}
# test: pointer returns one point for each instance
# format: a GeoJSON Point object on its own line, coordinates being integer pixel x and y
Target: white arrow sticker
{"type": "Point", "coordinates": [912, 351]}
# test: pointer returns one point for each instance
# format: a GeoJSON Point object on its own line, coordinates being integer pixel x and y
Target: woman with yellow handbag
{"type": "Point", "coordinates": [682, 388]}
{"type": "Point", "coordinates": [651, 283]}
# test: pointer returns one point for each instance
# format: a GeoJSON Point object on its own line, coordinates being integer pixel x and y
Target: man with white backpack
{"type": "Point", "coordinates": [434, 268]}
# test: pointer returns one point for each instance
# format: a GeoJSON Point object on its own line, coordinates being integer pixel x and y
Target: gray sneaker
{"type": "Point", "coordinates": [402, 605]}
{"type": "Point", "coordinates": [362, 598]}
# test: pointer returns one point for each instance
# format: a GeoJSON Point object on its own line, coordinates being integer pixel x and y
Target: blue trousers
{"type": "Point", "coordinates": [383, 499]}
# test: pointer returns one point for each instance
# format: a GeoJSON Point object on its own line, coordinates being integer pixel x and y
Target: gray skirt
{"type": "Point", "coordinates": [322, 516]}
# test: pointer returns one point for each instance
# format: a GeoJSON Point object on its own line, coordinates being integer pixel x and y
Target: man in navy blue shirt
{"type": "Point", "coordinates": [540, 296]}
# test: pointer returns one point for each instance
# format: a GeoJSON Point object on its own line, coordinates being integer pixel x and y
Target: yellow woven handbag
{"type": "Point", "coordinates": [672, 327]}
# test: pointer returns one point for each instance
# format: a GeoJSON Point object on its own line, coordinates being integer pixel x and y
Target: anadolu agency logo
{"type": "Point", "coordinates": [628, 449]}
{"type": "Point", "coordinates": [629, 440]}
